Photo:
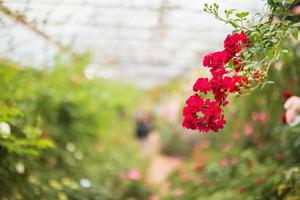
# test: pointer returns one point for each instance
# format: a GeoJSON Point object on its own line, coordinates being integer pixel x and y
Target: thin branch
{"type": "Point", "coordinates": [21, 20]}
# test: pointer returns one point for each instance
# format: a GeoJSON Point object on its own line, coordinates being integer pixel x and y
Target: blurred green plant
{"type": "Point", "coordinates": [63, 136]}
{"type": "Point", "coordinates": [257, 157]}
{"type": "Point", "coordinates": [257, 154]}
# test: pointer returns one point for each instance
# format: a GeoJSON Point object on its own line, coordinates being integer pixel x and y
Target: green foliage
{"type": "Point", "coordinates": [254, 157]}
{"type": "Point", "coordinates": [170, 136]}
{"type": "Point", "coordinates": [257, 155]}
{"type": "Point", "coordinates": [59, 129]}
{"type": "Point", "coordinates": [265, 33]}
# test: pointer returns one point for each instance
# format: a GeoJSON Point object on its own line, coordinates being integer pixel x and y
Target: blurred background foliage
{"type": "Point", "coordinates": [59, 137]}
{"type": "Point", "coordinates": [66, 136]}
{"type": "Point", "coordinates": [257, 155]}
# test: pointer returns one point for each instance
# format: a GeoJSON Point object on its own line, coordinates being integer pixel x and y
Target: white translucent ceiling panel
{"type": "Point", "coordinates": [142, 40]}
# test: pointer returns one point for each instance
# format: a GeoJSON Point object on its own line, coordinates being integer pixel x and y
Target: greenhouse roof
{"type": "Point", "coordinates": [145, 41]}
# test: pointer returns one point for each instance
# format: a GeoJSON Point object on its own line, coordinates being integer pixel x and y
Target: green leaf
{"type": "Point", "coordinates": [229, 12]}
{"type": "Point", "coordinates": [274, 40]}
{"type": "Point", "coordinates": [285, 51]}
{"type": "Point", "coordinates": [295, 33]}
{"type": "Point", "coordinates": [12, 112]}
{"type": "Point", "coordinates": [265, 83]}
{"type": "Point", "coordinates": [296, 24]}
{"type": "Point", "coordinates": [32, 132]}
{"type": "Point", "coordinates": [290, 1]}
{"type": "Point", "coordinates": [242, 14]}
{"type": "Point", "coordinates": [233, 24]}
{"type": "Point", "coordinates": [281, 189]}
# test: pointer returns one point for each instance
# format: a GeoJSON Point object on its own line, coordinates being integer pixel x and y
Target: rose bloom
{"type": "Point", "coordinates": [260, 117]}
{"type": "Point", "coordinates": [248, 129]}
{"type": "Point", "coordinates": [199, 166]}
{"type": "Point", "coordinates": [224, 163]}
{"type": "Point", "coordinates": [287, 94]}
{"type": "Point", "coordinates": [283, 118]}
{"type": "Point", "coordinates": [263, 117]}
{"type": "Point", "coordinates": [204, 114]}
{"type": "Point", "coordinates": [154, 197]}
{"type": "Point", "coordinates": [133, 175]}
{"type": "Point", "coordinates": [235, 42]}
{"type": "Point", "coordinates": [184, 176]}
{"type": "Point", "coordinates": [216, 60]}
{"type": "Point", "coordinates": [202, 85]}
{"type": "Point", "coordinates": [179, 192]}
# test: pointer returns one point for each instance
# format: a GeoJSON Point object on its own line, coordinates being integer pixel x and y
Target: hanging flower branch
{"type": "Point", "coordinates": [243, 64]}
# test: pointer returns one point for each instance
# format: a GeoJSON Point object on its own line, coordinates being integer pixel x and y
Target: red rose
{"type": "Point", "coordinates": [287, 94]}
{"type": "Point", "coordinates": [217, 59]}
{"type": "Point", "coordinates": [202, 115]}
{"type": "Point", "coordinates": [205, 114]}
{"type": "Point", "coordinates": [234, 43]}
{"type": "Point", "coordinates": [232, 84]}
{"type": "Point", "coordinates": [202, 85]}
{"type": "Point", "coordinates": [199, 167]}
{"type": "Point", "coordinates": [219, 72]}
{"type": "Point", "coordinates": [283, 118]}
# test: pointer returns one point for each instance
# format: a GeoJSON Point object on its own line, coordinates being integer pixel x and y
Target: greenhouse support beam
{"type": "Point", "coordinates": [21, 20]}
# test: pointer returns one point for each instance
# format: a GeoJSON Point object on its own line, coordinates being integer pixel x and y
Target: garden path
{"type": "Point", "coordinates": [160, 165]}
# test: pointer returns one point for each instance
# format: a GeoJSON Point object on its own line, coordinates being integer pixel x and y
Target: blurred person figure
{"type": "Point", "coordinates": [292, 107]}
{"type": "Point", "coordinates": [143, 126]}
{"type": "Point", "coordinates": [145, 133]}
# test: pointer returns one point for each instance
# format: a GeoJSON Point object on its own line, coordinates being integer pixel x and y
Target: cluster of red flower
{"type": "Point", "coordinates": [205, 114]}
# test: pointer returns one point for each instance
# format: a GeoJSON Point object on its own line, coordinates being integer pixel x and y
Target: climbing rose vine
{"type": "Point", "coordinates": [243, 64]}
{"type": "Point", "coordinates": [205, 114]}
